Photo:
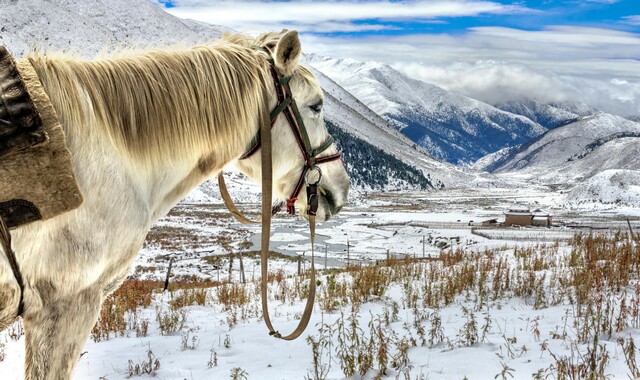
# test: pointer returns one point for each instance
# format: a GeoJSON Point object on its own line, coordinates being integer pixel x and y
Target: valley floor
{"type": "Point", "coordinates": [411, 286]}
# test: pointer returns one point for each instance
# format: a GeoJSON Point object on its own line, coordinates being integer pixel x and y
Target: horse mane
{"type": "Point", "coordinates": [162, 104]}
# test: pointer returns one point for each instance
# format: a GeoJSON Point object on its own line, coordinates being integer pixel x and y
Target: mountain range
{"type": "Point", "coordinates": [452, 127]}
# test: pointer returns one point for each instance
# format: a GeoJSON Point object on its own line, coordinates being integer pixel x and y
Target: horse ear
{"type": "Point", "coordinates": [287, 53]}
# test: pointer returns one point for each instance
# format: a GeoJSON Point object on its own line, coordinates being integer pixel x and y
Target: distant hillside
{"type": "Point", "coordinates": [610, 188]}
{"type": "Point", "coordinates": [449, 126]}
{"type": "Point", "coordinates": [573, 152]}
{"type": "Point", "coordinates": [347, 112]}
{"type": "Point", "coordinates": [548, 115]}
{"type": "Point", "coordinates": [388, 173]}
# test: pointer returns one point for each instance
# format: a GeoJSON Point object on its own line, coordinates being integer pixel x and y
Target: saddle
{"type": "Point", "coordinates": [36, 176]}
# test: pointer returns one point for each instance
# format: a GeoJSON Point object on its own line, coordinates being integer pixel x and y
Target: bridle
{"type": "Point", "coordinates": [262, 141]}
{"type": "Point", "coordinates": [287, 106]}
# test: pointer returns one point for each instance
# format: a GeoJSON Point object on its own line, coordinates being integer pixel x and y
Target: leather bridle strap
{"type": "Point", "coordinates": [5, 238]}
{"type": "Point", "coordinates": [267, 186]}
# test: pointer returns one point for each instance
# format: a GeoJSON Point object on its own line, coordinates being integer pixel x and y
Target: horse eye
{"type": "Point", "coordinates": [316, 107]}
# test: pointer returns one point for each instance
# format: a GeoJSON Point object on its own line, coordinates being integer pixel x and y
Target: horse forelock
{"type": "Point", "coordinates": [161, 104]}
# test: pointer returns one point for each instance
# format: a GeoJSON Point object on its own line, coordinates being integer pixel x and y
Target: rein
{"type": "Point", "coordinates": [5, 239]}
{"type": "Point", "coordinates": [287, 106]}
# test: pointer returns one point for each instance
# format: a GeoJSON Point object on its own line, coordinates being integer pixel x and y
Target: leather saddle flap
{"type": "Point", "coordinates": [37, 181]}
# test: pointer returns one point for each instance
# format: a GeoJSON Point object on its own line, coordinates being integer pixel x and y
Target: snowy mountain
{"type": "Point", "coordinates": [548, 115]}
{"type": "Point", "coordinates": [572, 153]}
{"type": "Point", "coordinates": [88, 27]}
{"type": "Point", "coordinates": [359, 121]}
{"type": "Point", "coordinates": [451, 127]}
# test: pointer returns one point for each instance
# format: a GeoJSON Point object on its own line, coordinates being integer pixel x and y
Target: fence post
{"type": "Point", "coordinates": [348, 253]}
{"type": "Point", "coordinates": [325, 257]}
{"type": "Point", "coordinates": [244, 280]}
{"type": "Point", "coordinates": [230, 268]}
{"type": "Point", "coordinates": [166, 281]}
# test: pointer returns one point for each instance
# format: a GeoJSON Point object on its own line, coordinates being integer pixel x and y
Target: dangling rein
{"type": "Point", "coordinates": [286, 105]}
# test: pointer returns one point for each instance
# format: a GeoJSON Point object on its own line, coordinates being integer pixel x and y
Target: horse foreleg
{"type": "Point", "coordinates": [56, 333]}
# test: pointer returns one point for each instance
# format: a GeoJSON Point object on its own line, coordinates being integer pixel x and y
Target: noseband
{"type": "Point", "coordinates": [287, 106]}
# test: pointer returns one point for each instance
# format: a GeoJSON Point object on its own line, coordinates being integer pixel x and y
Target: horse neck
{"type": "Point", "coordinates": [148, 179]}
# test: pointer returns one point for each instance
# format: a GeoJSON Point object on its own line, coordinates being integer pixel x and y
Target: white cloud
{"type": "Point", "coordinates": [632, 20]}
{"type": "Point", "coordinates": [245, 15]}
{"type": "Point", "coordinates": [320, 27]}
{"type": "Point", "coordinates": [497, 82]}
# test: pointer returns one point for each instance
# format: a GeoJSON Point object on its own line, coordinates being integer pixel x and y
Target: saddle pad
{"type": "Point", "coordinates": [36, 177]}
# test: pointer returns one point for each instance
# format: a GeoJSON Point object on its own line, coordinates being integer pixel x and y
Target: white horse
{"type": "Point", "coordinates": [143, 130]}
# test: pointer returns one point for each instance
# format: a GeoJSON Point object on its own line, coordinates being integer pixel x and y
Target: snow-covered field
{"type": "Point", "coordinates": [395, 324]}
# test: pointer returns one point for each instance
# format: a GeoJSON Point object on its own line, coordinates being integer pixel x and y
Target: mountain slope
{"type": "Point", "coordinates": [548, 115]}
{"type": "Point", "coordinates": [388, 173]}
{"type": "Point", "coordinates": [612, 188]}
{"type": "Point", "coordinates": [89, 26]}
{"type": "Point", "coordinates": [451, 127]}
{"type": "Point", "coordinates": [572, 152]}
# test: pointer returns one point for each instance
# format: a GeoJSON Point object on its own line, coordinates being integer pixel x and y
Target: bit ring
{"type": "Point", "coordinates": [306, 176]}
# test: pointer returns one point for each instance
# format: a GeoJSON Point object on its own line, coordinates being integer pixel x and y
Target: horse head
{"type": "Point", "coordinates": [303, 151]}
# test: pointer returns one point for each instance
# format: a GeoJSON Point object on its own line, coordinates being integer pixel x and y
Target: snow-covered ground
{"type": "Point", "coordinates": [514, 335]}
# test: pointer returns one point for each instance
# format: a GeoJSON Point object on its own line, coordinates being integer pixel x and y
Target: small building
{"type": "Point", "coordinates": [489, 222]}
{"type": "Point", "coordinates": [519, 215]}
{"type": "Point", "coordinates": [541, 218]}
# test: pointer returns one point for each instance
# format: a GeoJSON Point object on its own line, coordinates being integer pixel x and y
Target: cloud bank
{"type": "Point", "coordinates": [600, 67]}
{"type": "Point", "coordinates": [331, 16]}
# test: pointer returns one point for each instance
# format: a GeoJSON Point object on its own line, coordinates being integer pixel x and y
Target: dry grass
{"type": "Point", "coordinates": [597, 277]}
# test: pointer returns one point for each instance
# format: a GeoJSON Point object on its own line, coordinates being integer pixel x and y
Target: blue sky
{"type": "Point", "coordinates": [524, 14]}
{"type": "Point", "coordinates": [493, 50]}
